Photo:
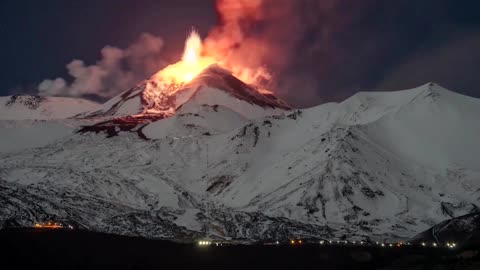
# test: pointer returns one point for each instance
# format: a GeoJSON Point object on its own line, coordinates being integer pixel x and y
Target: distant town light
{"type": "Point", "coordinates": [48, 225]}
{"type": "Point", "coordinates": [204, 243]}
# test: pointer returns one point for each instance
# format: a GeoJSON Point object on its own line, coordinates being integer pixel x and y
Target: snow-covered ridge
{"type": "Point", "coordinates": [366, 107]}
{"type": "Point", "coordinates": [34, 121]}
{"type": "Point", "coordinates": [42, 108]}
{"type": "Point", "coordinates": [428, 124]}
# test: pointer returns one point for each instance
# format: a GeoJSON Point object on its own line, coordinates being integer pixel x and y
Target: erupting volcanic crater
{"type": "Point", "coordinates": [164, 93]}
{"type": "Point", "coordinates": [153, 100]}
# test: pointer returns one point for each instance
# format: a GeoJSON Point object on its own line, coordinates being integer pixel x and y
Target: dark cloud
{"type": "Point", "coordinates": [321, 51]}
{"type": "Point", "coordinates": [452, 63]}
{"type": "Point", "coordinates": [345, 47]}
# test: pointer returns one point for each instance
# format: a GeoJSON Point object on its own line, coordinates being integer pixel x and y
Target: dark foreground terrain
{"type": "Point", "coordinates": [57, 249]}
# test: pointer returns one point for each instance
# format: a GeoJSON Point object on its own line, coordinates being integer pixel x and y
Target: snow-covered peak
{"type": "Point", "coordinates": [213, 86]}
{"type": "Point", "coordinates": [215, 77]}
{"type": "Point", "coordinates": [367, 107]}
{"type": "Point", "coordinates": [428, 124]}
{"type": "Point", "coordinates": [42, 108]}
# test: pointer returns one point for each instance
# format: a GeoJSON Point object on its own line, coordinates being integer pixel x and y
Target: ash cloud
{"type": "Point", "coordinates": [117, 70]}
{"type": "Point", "coordinates": [308, 51]}
{"type": "Point", "coordinates": [302, 43]}
{"type": "Point", "coordinates": [320, 51]}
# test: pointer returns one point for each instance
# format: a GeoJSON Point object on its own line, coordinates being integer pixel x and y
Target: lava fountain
{"type": "Point", "coordinates": [192, 63]}
{"type": "Point", "coordinates": [158, 96]}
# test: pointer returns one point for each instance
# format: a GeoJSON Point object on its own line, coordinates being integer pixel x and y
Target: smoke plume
{"type": "Point", "coordinates": [117, 70]}
{"type": "Point", "coordinates": [306, 51]}
{"type": "Point", "coordinates": [289, 45]}
{"type": "Point", "coordinates": [317, 51]}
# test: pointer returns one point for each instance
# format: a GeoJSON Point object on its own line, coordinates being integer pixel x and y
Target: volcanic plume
{"type": "Point", "coordinates": [192, 63]}
{"type": "Point", "coordinates": [195, 60]}
{"type": "Point", "coordinates": [160, 96]}
{"type": "Point", "coordinates": [229, 45]}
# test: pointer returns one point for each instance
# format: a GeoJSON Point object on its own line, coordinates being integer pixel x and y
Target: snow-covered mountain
{"type": "Point", "coordinates": [42, 108]}
{"type": "Point", "coordinates": [213, 86]}
{"type": "Point", "coordinates": [33, 121]}
{"type": "Point", "coordinates": [217, 157]}
{"type": "Point", "coordinates": [464, 231]}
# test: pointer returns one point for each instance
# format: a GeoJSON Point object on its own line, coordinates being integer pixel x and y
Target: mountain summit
{"type": "Point", "coordinates": [154, 96]}
{"type": "Point", "coordinates": [154, 99]}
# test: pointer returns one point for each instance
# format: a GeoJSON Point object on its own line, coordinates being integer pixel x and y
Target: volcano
{"type": "Point", "coordinates": [153, 100]}
{"type": "Point", "coordinates": [213, 154]}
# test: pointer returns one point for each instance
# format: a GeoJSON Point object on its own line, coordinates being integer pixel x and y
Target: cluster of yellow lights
{"type": "Point", "coordinates": [451, 245]}
{"type": "Point", "coordinates": [48, 225]}
{"type": "Point", "coordinates": [204, 243]}
{"type": "Point", "coordinates": [192, 63]}
{"type": "Point", "coordinates": [448, 244]}
{"type": "Point", "coordinates": [51, 225]}
{"type": "Point", "coordinates": [399, 244]}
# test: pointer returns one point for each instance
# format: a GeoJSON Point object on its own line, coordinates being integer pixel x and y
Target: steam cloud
{"type": "Point", "coordinates": [118, 70]}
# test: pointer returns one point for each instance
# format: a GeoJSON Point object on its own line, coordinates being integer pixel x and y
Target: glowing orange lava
{"type": "Point", "coordinates": [192, 63]}
{"type": "Point", "coordinates": [157, 95]}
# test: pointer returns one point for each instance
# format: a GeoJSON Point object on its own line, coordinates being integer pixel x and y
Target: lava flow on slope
{"type": "Point", "coordinates": [159, 97]}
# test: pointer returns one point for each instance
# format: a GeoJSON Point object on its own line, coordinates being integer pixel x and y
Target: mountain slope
{"type": "Point", "coordinates": [228, 164]}
{"type": "Point", "coordinates": [464, 231]}
{"type": "Point", "coordinates": [42, 108]}
{"type": "Point", "coordinates": [34, 121]}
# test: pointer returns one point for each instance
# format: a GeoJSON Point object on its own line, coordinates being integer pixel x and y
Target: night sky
{"type": "Point", "coordinates": [338, 47]}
